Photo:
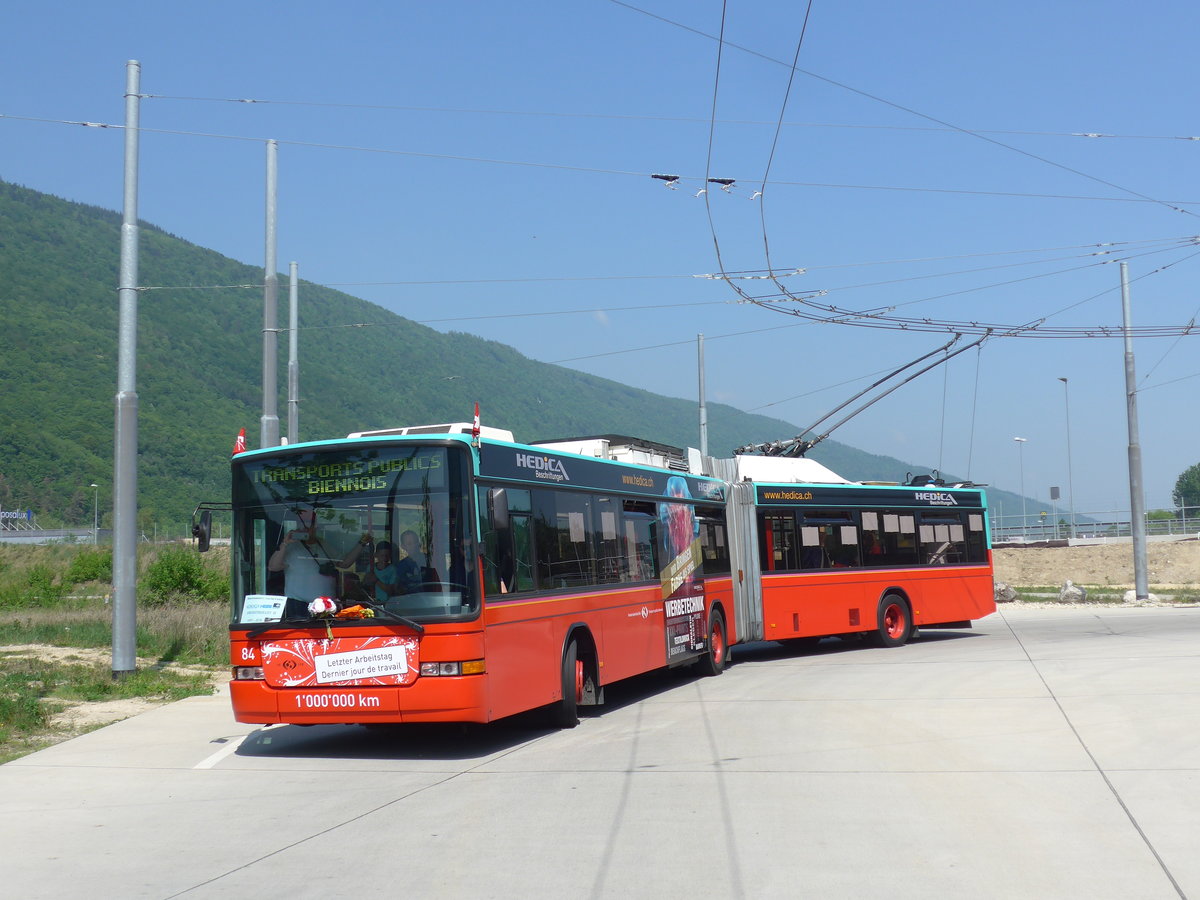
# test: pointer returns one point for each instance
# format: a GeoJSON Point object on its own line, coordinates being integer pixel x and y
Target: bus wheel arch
{"type": "Point", "coordinates": [579, 674]}
{"type": "Point", "coordinates": [716, 651]}
{"type": "Point", "coordinates": [893, 619]}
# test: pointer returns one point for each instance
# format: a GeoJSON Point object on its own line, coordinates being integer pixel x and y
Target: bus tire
{"type": "Point", "coordinates": [717, 653]}
{"type": "Point", "coordinates": [893, 622]}
{"type": "Point", "coordinates": [564, 713]}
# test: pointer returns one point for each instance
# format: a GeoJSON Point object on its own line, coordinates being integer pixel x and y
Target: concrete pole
{"type": "Point", "coordinates": [269, 432]}
{"type": "Point", "coordinates": [293, 356]}
{"type": "Point", "coordinates": [703, 403]}
{"type": "Point", "coordinates": [125, 449]}
{"type": "Point", "coordinates": [1137, 499]}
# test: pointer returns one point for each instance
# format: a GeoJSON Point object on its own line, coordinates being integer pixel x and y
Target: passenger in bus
{"type": "Point", "coordinates": [382, 577]}
{"type": "Point", "coordinates": [308, 570]}
{"type": "Point", "coordinates": [816, 556]}
{"type": "Point", "coordinates": [872, 548]}
{"type": "Point", "coordinates": [412, 574]}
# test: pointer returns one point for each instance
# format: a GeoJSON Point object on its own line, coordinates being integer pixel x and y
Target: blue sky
{"type": "Point", "coordinates": [486, 168]}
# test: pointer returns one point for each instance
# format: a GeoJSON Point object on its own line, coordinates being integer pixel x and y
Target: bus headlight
{"type": "Point", "coordinates": [470, 667]}
{"type": "Point", "coordinates": [248, 673]}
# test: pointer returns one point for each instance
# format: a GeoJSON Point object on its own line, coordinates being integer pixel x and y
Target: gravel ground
{"type": "Point", "coordinates": [1170, 565]}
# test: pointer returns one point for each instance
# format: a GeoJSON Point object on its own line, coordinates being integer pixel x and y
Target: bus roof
{"type": "Point", "coordinates": [776, 469]}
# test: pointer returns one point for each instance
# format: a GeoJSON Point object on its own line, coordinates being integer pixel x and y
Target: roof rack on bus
{"type": "Point", "coordinates": [936, 480]}
{"type": "Point", "coordinates": [622, 448]}
{"type": "Point", "coordinates": [499, 434]}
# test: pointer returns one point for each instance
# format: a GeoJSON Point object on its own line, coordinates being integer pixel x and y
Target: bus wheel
{"type": "Point", "coordinates": [714, 658]}
{"type": "Point", "coordinates": [894, 622]}
{"type": "Point", "coordinates": [565, 712]}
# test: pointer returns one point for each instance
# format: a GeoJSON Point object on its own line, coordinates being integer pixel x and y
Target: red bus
{"type": "Point", "coordinates": [819, 556]}
{"type": "Point", "coordinates": [431, 575]}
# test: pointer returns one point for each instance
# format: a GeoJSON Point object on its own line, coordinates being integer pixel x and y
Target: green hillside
{"type": "Point", "coordinates": [199, 373]}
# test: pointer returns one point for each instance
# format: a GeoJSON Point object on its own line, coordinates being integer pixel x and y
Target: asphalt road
{"type": "Point", "coordinates": [1047, 753]}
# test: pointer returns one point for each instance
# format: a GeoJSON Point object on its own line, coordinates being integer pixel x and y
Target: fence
{"type": "Point", "coordinates": [1112, 524]}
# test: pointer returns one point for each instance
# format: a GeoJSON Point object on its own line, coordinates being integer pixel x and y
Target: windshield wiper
{"type": "Point", "coordinates": [380, 612]}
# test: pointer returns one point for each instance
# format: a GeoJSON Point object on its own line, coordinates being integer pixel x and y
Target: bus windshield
{"type": "Point", "coordinates": [383, 528]}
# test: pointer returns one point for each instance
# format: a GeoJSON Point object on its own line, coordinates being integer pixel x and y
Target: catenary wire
{"type": "Point", "coordinates": [692, 120]}
{"type": "Point", "coordinates": [909, 110]}
{"type": "Point", "coordinates": [589, 170]}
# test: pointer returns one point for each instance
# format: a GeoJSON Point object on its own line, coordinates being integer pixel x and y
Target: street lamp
{"type": "Point", "coordinates": [1070, 482]}
{"type": "Point", "coordinates": [1021, 462]}
{"type": "Point", "coordinates": [95, 513]}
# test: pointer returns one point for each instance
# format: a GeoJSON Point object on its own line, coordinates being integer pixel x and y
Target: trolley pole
{"type": "Point", "coordinates": [125, 448]}
{"type": "Point", "coordinates": [1137, 502]}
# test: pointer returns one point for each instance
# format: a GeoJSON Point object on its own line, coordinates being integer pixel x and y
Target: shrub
{"type": "Point", "coordinates": [42, 589]}
{"type": "Point", "coordinates": [178, 574]}
{"type": "Point", "coordinates": [90, 565]}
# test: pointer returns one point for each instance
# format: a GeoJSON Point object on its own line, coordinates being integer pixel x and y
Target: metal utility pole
{"type": "Point", "coordinates": [1070, 477]}
{"type": "Point", "coordinates": [269, 432]}
{"type": "Point", "coordinates": [1021, 460]}
{"type": "Point", "coordinates": [95, 513]}
{"type": "Point", "coordinates": [1137, 501]}
{"type": "Point", "coordinates": [125, 449]}
{"type": "Point", "coordinates": [293, 356]}
{"type": "Point", "coordinates": [703, 404]}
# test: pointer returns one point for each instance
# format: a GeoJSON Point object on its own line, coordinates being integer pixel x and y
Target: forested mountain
{"type": "Point", "coordinates": [199, 373]}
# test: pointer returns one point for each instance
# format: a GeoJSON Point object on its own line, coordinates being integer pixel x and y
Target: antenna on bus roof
{"type": "Point", "coordinates": [798, 446]}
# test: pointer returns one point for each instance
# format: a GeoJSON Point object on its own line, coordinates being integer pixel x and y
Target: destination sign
{"type": "Point", "coordinates": [313, 475]}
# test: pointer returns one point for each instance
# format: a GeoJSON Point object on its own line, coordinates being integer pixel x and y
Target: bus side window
{"type": "Point", "coordinates": [976, 538]}
{"type": "Point", "coordinates": [565, 539]}
{"type": "Point", "coordinates": [943, 538]}
{"type": "Point", "coordinates": [830, 540]}
{"type": "Point", "coordinates": [713, 544]}
{"type": "Point", "coordinates": [522, 530]}
{"type": "Point", "coordinates": [779, 550]}
{"type": "Point", "coordinates": [507, 548]}
{"type": "Point", "coordinates": [639, 544]}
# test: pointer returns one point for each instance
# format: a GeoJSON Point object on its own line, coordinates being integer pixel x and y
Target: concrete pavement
{"type": "Point", "coordinates": [1046, 753]}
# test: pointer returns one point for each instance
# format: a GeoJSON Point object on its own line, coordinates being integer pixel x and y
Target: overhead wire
{"type": "Point", "coordinates": [881, 317]}
{"type": "Point", "coordinates": [588, 170]}
{"type": "Point", "coordinates": [822, 313]}
{"type": "Point", "coordinates": [557, 114]}
{"type": "Point", "coordinates": [762, 191]}
{"type": "Point", "coordinates": [756, 274]}
{"type": "Point", "coordinates": [905, 109]}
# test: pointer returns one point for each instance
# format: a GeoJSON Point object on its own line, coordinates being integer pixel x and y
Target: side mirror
{"type": "Point", "coordinates": [498, 508]}
{"type": "Point", "coordinates": [202, 531]}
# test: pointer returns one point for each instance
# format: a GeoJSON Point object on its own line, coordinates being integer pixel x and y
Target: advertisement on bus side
{"type": "Point", "coordinates": [682, 577]}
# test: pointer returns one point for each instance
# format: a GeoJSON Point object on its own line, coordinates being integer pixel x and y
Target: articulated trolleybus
{"type": "Point", "coordinates": [448, 574]}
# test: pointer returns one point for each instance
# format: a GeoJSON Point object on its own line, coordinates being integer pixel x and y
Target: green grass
{"type": "Point", "coordinates": [1102, 594]}
{"type": "Point", "coordinates": [59, 595]}
{"type": "Point", "coordinates": [32, 689]}
{"type": "Point", "coordinates": [196, 633]}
